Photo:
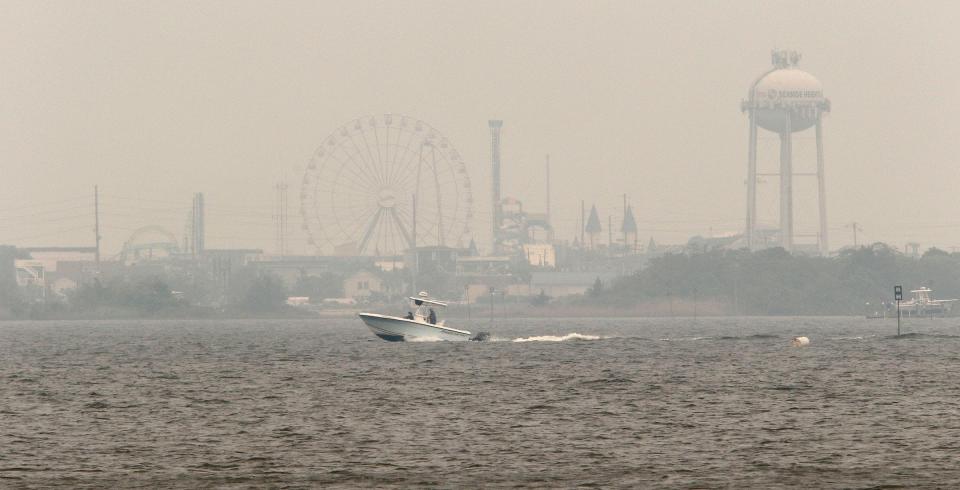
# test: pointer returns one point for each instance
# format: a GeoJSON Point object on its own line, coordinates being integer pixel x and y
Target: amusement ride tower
{"type": "Point", "coordinates": [785, 100]}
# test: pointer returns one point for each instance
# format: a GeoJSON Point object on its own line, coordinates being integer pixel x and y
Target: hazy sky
{"type": "Point", "coordinates": [156, 100]}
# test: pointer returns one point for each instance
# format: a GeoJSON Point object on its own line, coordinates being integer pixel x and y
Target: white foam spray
{"type": "Point", "coordinates": [424, 339]}
{"type": "Point", "coordinates": [554, 338]}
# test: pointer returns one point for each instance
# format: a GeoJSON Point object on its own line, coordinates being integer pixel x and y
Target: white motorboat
{"type": "Point", "coordinates": [421, 324]}
{"type": "Point", "coordinates": [923, 304]}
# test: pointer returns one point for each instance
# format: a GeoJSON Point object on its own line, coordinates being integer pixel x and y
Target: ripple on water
{"type": "Point", "coordinates": [614, 403]}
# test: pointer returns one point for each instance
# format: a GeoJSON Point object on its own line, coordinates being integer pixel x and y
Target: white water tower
{"type": "Point", "coordinates": [785, 100]}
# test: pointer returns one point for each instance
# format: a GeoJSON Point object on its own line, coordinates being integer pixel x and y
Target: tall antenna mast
{"type": "Point", "coordinates": [625, 246]}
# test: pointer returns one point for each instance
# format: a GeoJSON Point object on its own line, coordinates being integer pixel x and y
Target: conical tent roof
{"type": "Point", "coordinates": [629, 224]}
{"type": "Point", "coordinates": [593, 223]}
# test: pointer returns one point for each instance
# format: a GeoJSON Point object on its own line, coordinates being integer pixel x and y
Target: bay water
{"type": "Point", "coordinates": [553, 403]}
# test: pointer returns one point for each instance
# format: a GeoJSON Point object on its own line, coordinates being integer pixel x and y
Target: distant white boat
{"type": "Point", "coordinates": [923, 304]}
{"type": "Point", "coordinates": [422, 324]}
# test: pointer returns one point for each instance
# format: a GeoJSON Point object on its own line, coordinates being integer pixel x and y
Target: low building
{"type": "Point", "coordinates": [361, 285]}
{"type": "Point", "coordinates": [31, 279]}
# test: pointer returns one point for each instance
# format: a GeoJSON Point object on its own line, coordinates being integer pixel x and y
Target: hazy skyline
{"type": "Point", "coordinates": [154, 101]}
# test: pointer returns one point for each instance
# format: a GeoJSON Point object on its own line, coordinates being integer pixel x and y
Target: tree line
{"type": "Point", "coordinates": [775, 282]}
{"type": "Point", "coordinates": [149, 292]}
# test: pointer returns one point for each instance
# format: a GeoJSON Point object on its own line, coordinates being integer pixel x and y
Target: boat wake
{"type": "Point", "coordinates": [554, 338]}
{"type": "Point", "coordinates": [425, 339]}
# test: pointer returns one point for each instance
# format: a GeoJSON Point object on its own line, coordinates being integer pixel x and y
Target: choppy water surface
{"type": "Point", "coordinates": [624, 403]}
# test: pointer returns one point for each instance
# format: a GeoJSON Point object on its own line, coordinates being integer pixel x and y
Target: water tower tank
{"type": "Point", "coordinates": [786, 90]}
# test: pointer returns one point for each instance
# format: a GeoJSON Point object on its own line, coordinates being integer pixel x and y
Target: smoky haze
{"type": "Point", "coordinates": [154, 101]}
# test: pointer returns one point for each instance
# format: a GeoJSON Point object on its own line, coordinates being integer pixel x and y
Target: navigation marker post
{"type": "Point", "coordinates": [466, 296]}
{"type": "Point", "coordinates": [898, 295]}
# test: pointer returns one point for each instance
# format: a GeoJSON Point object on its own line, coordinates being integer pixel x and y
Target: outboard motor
{"type": "Point", "coordinates": [481, 336]}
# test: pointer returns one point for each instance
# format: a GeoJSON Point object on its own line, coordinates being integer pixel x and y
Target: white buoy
{"type": "Point", "coordinates": [800, 341]}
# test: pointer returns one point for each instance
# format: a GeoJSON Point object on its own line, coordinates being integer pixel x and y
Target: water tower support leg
{"type": "Point", "coordinates": [786, 186]}
{"type": "Point", "coordinates": [822, 192]}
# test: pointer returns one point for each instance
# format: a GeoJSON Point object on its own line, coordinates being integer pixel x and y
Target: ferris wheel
{"type": "Point", "coordinates": [382, 184]}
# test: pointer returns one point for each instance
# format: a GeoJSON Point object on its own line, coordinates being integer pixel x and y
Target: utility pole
{"type": "Point", "coordinates": [466, 296]}
{"type": "Point", "coordinates": [609, 235]}
{"type": "Point", "coordinates": [855, 228]}
{"type": "Point", "coordinates": [413, 246]}
{"type": "Point", "coordinates": [625, 246]}
{"type": "Point", "coordinates": [96, 224]}
{"type": "Point", "coordinates": [583, 222]}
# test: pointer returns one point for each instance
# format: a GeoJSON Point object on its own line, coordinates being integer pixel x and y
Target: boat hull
{"type": "Point", "coordinates": [395, 329]}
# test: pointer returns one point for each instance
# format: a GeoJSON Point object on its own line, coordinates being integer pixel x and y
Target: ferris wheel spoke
{"type": "Point", "coordinates": [365, 180]}
{"type": "Point", "coordinates": [373, 159]}
{"type": "Point", "coordinates": [351, 229]}
{"type": "Point", "coordinates": [407, 181]}
{"type": "Point", "coordinates": [353, 182]}
{"type": "Point", "coordinates": [398, 151]}
{"type": "Point", "coordinates": [399, 224]}
{"type": "Point", "coordinates": [389, 235]}
{"type": "Point", "coordinates": [336, 177]}
{"type": "Point", "coordinates": [407, 161]}
{"type": "Point", "coordinates": [371, 227]}
{"type": "Point", "coordinates": [392, 175]}
{"type": "Point", "coordinates": [353, 202]}
{"type": "Point", "coordinates": [434, 201]}
{"type": "Point", "coordinates": [362, 164]}
{"type": "Point", "coordinates": [405, 169]}
{"type": "Point", "coordinates": [355, 215]}
{"type": "Point", "coordinates": [456, 202]}
{"type": "Point", "coordinates": [436, 179]}
{"type": "Point", "coordinates": [376, 138]}
{"type": "Point", "coordinates": [355, 225]}
{"type": "Point", "coordinates": [403, 217]}
{"type": "Point", "coordinates": [403, 213]}
{"type": "Point", "coordinates": [386, 151]}
{"type": "Point", "coordinates": [408, 178]}
{"type": "Point", "coordinates": [351, 189]}
{"type": "Point", "coordinates": [348, 157]}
